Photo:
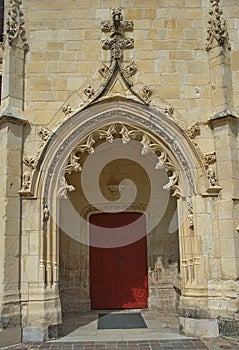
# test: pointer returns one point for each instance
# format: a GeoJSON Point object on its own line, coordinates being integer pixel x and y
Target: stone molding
{"type": "Point", "coordinates": [225, 115]}
{"type": "Point", "coordinates": [90, 209]}
{"type": "Point", "coordinates": [4, 118]}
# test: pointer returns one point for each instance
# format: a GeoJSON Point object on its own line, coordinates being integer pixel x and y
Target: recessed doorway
{"type": "Point", "coordinates": [118, 273]}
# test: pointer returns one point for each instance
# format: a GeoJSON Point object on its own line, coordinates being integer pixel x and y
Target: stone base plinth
{"type": "Point", "coordinates": [229, 327]}
{"type": "Point", "coordinates": [201, 328]}
{"type": "Point", "coordinates": [40, 334]}
{"type": "Point", "coordinates": [10, 336]}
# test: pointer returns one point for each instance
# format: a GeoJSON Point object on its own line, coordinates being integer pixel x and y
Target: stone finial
{"type": "Point", "coordinates": [15, 24]}
{"type": "Point", "coordinates": [217, 28]}
{"type": "Point", "coordinates": [117, 42]}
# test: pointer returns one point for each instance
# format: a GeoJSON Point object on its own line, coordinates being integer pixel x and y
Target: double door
{"type": "Point", "coordinates": [118, 273]}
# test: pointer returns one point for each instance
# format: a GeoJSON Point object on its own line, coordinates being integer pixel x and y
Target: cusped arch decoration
{"type": "Point", "coordinates": [176, 151]}
{"type": "Point", "coordinates": [126, 133]}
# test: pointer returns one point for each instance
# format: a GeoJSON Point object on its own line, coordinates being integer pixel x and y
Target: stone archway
{"type": "Point", "coordinates": [175, 154]}
{"type": "Point", "coordinates": [162, 246]}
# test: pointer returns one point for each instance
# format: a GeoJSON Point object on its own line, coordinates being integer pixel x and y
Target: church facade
{"type": "Point", "coordinates": [119, 162]}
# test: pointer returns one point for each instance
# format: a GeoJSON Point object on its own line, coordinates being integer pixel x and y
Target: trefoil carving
{"type": "Point", "coordinates": [15, 24]}
{"type": "Point", "coordinates": [89, 91]}
{"type": "Point", "coordinates": [217, 33]}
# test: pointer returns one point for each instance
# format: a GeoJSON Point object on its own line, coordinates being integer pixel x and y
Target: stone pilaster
{"type": "Point", "coordinates": [10, 212]}
{"type": "Point", "coordinates": [223, 292]}
{"type": "Point", "coordinates": [218, 47]}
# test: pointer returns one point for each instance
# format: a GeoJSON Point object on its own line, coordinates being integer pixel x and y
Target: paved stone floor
{"type": "Point", "coordinates": [189, 344]}
{"type": "Point", "coordinates": [80, 333]}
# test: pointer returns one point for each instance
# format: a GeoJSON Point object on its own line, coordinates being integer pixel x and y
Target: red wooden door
{"type": "Point", "coordinates": [118, 275]}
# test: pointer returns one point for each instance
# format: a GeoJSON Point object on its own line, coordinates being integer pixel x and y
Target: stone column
{"type": "Point", "coordinates": [10, 212]}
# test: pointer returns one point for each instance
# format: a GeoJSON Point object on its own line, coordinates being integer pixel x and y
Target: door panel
{"type": "Point", "coordinates": [118, 276]}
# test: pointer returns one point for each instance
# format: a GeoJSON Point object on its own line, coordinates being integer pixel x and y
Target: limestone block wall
{"type": "Point", "coordinates": [65, 50]}
{"type": "Point", "coordinates": [169, 51]}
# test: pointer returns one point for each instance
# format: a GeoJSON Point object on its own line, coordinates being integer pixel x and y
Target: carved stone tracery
{"type": "Point", "coordinates": [126, 133]}
{"type": "Point", "coordinates": [217, 28]}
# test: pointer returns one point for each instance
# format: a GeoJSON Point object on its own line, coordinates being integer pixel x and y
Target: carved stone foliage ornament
{"type": "Point", "coordinates": [67, 109]}
{"type": "Point", "coordinates": [193, 130]}
{"type": "Point", "coordinates": [45, 135]}
{"type": "Point", "coordinates": [31, 162]}
{"type": "Point", "coordinates": [117, 42]}
{"type": "Point", "coordinates": [126, 133]}
{"type": "Point", "coordinates": [15, 24]}
{"type": "Point", "coordinates": [217, 33]}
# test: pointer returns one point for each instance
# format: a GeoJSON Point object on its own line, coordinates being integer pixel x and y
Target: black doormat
{"type": "Point", "coordinates": [121, 321]}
